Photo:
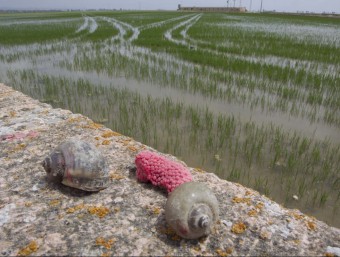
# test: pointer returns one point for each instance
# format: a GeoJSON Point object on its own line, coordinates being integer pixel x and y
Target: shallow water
{"type": "Point", "coordinates": [316, 130]}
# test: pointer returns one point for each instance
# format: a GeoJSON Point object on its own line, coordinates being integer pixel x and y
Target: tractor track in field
{"type": "Point", "coordinates": [186, 24]}
{"type": "Point", "coordinates": [282, 62]}
{"type": "Point", "coordinates": [89, 25]}
{"type": "Point", "coordinates": [123, 28]}
{"type": "Point", "coordinates": [164, 22]}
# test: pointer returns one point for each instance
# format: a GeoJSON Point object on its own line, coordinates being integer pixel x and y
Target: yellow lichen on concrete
{"type": "Point", "coordinates": [156, 210]}
{"type": "Point", "coordinates": [199, 170]}
{"type": "Point", "coordinates": [132, 148]}
{"type": "Point", "coordinates": [311, 225]}
{"type": "Point", "coordinates": [75, 119]}
{"type": "Point", "coordinates": [55, 202]}
{"type": "Point", "coordinates": [297, 241]}
{"type": "Point", "coordinates": [110, 133]}
{"type": "Point", "coordinates": [100, 211]}
{"type": "Point", "coordinates": [93, 125]}
{"type": "Point", "coordinates": [70, 210]}
{"type": "Point", "coordinates": [17, 148]}
{"type": "Point", "coordinates": [297, 216]}
{"type": "Point", "coordinates": [241, 200]}
{"type": "Point", "coordinates": [264, 235]}
{"type": "Point", "coordinates": [125, 141]}
{"type": "Point", "coordinates": [79, 206]}
{"type": "Point", "coordinates": [106, 243]}
{"type": "Point", "coordinates": [115, 176]}
{"type": "Point", "coordinates": [224, 253]}
{"type": "Point", "coordinates": [238, 228]}
{"type": "Point", "coordinates": [29, 249]}
{"type": "Point", "coordinates": [259, 206]}
{"type": "Point", "coordinates": [170, 232]}
{"type": "Point", "coordinates": [12, 114]}
{"type": "Point", "coordinates": [44, 112]}
{"type": "Point", "coordinates": [106, 142]}
{"type": "Point", "coordinates": [28, 204]}
{"type": "Point", "coordinates": [75, 208]}
{"type": "Point", "coordinates": [249, 193]}
{"type": "Point", "coordinates": [252, 213]}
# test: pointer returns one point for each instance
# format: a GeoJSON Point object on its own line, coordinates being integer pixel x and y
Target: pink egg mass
{"type": "Point", "coordinates": [161, 171]}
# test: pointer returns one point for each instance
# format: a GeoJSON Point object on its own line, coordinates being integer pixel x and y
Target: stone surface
{"type": "Point", "coordinates": [41, 217]}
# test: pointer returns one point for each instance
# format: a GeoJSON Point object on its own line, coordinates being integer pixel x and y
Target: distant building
{"type": "Point", "coordinates": [212, 9]}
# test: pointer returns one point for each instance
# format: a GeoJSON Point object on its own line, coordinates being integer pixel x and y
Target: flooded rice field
{"type": "Point", "coordinates": [253, 98]}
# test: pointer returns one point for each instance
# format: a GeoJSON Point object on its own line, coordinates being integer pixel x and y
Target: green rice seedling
{"type": "Point", "coordinates": [323, 198]}
{"type": "Point", "coordinates": [315, 197]}
{"type": "Point", "coordinates": [288, 189]}
{"type": "Point", "coordinates": [36, 31]}
{"type": "Point", "coordinates": [302, 188]}
{"type": "Point", "coordinates": [261, 184]}
{"type": "Point", "coordinates": [234, 174]}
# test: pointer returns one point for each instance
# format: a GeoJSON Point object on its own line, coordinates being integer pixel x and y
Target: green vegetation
{"type": "Point", "coordinates": [34, 28]}
{"type": "Point", "coordinates": [253, 98]}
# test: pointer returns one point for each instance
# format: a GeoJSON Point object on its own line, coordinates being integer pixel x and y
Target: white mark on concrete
{"type": "Point", "coordinates": [273, 208]}
{"type": "Point", "coordinates": [118, 199]}
{"type": "Point", "coordinates": [5, 213]}
{"type": "Point", "coordinates": [35, 188]}
{"type": "Point", "coordinates": [29, 218]}
{"type": "Point", "coordinates": [333, 250]}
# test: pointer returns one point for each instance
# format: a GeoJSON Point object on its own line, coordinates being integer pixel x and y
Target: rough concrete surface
{"type": "Point", "coordinates": [41, 217]}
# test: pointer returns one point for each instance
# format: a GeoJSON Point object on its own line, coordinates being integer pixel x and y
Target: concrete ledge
{"type": "Point", "coordinates": [39, 217]}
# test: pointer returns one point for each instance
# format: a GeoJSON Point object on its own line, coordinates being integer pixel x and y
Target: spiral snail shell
{"type": "Point", "coordinates": [78, 164]}
{"type": "Point", "coordinates": [191, 210]}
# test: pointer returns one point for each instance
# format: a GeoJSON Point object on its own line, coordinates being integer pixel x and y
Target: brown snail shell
{"type": "Point", "coordinates": [191, 210]}
{"type": "Point", "coordinates": [78, 164]}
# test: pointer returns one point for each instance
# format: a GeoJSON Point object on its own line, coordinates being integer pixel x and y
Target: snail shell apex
{"type": "Point", "coordinates": [78, 164]}
{"type": "Point", "coordinates": [191, 210]}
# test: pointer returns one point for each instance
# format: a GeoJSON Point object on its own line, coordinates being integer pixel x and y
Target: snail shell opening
{"type": "Point", "coordinates": [54, 165]}
{"type": "Point", "coordinates": [47, 164]}
{"type": "Point", "coordinates": [191, 210]}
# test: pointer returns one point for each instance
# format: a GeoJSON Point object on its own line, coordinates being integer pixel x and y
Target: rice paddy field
{"type": "Point", "coordinates": [254, 98]}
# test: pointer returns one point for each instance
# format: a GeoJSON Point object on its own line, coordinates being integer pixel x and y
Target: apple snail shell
{"type": "Point", "coordinates": [78, 164]}
{"type": "Point", "coordinates": [191, 210]}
